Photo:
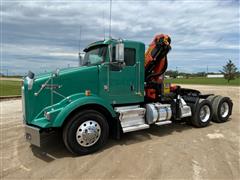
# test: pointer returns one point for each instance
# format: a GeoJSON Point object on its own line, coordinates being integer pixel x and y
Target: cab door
{"type": "Point", "coordinates": [122, 82]}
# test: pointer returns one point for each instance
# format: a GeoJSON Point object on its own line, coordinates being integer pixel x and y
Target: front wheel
{"type": "Point", "coordinates": [202, 113]}
{"type": "Point", "coordinates": [86, 132]}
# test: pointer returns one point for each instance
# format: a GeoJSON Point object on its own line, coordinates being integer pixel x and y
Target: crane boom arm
{"type": "Point", "coordinates": [156, 63]}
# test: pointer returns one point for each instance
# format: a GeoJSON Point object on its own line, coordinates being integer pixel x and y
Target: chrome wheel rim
{"type": "Point", "coordinates": [205, 113]}
{"type": "Point", "coordinates": [224, 109]}
{"type": "Point", "coordinates": [88, 133]}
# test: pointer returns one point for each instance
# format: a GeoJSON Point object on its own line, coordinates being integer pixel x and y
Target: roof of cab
{"type": "Point", "coordinates": [109, 41]}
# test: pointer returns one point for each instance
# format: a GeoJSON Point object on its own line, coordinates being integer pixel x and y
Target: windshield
{"type": "Point", "coordinates": [95, 56]}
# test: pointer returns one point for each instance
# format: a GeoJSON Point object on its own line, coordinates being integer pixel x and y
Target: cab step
{"type": "Point", "coordinates": [163, 123]}
{"type": "Point", "coordinates": [135, 128]}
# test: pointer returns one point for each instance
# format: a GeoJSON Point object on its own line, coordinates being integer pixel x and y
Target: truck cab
{"type": "Point", "coordinates": [118, 82]}
{"type": "Point", "coordinates": [107, 95]}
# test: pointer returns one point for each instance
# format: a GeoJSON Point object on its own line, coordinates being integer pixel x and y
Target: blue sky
{"type": "Point", "coordinates": [43, 35]}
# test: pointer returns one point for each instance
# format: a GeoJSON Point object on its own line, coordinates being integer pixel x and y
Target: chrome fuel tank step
{"type": "Point", "coordinates": [135, 128]}
{"type": "Point", "coordinates": [132, 118]}
{"type": "Point", "coordinates": [160, 123]}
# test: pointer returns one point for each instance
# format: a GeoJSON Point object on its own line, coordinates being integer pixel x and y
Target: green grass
{"type": "Point", "coordinates": [205, 81]}
{"type": "Point", "coordinates": [9, 88]}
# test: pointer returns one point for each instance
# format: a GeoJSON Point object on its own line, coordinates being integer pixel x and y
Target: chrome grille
{"type": "Point", "coordinates": [23, 106]}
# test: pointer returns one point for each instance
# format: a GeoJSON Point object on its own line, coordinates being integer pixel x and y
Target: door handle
{"type": "Point", "coordinates": [132, 87]}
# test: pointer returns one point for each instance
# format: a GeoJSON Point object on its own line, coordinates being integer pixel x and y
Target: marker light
{"type": "Point", "coordinates": [87, 93]}
{"type": "Point", "coordinates": [47, 115]}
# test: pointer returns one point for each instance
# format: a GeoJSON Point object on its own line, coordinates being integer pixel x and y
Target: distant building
{"type": "Point", "coordinates": [180, 77]}
{"type": "Point", "coordinates": [215, 76]}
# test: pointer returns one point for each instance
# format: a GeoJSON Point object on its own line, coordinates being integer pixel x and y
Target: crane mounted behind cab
{"type": "Point", "coordinates": [119, 89]}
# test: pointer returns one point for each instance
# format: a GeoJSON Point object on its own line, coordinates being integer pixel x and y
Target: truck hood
{"type": "Point", "coordinates": [62, 71]}
{"type": "Point", "coordinates": [69, 81]}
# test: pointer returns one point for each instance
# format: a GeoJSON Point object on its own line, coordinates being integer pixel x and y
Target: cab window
{"type": "Point", "coordinates": [129, 56]}
{"type": "Point", "coordinates": [95, 56]}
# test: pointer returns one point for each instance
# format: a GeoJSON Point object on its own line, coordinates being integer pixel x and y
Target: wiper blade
{"type": "Point", "coordinates": [87, 63]}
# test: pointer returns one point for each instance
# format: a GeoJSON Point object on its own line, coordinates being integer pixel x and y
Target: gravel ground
{"type": "Point", "coordinates": [10, 79]}
{"type": "Point", "coordinates": [175, 151]}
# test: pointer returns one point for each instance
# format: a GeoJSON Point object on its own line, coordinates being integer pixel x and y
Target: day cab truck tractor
{"type": "Point", "coordinates": [118, 89]}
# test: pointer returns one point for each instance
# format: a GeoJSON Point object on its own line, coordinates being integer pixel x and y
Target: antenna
{"type": "Point", "coordinates": [79, 45]}
{"type": "Point", "coordinates": [110, 19]}
{"type": "Point", "coordinates": [80, 38]}
{"type": "Point", "coordinates": [104, 24]}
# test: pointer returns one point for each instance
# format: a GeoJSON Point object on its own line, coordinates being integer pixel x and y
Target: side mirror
{"type": "Point", "coordinates": [56, 73]}
{"type": "Point", "coordinates": [119, 54]}
{"type": "Point", "coordinates": [30, 79]}
{"type": "Point", "coordinates": [30, 75]}
{"type": "Point", "coordinates": [81, 58]}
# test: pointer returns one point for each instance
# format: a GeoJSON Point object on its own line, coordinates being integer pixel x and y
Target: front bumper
{"type": "Point", "coordinates": [33, 135]}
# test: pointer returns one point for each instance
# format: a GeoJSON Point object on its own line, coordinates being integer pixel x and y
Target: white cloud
{"type": "Point", "coordinates": [201, 31]}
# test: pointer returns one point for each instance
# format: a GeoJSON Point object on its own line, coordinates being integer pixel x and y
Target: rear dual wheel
{"type": "Point", "coordinates": [222, 108]}
{"type": "Point", "coordinates": [201, 113]}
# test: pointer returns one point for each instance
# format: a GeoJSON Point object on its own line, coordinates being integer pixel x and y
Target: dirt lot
{"type": "Point", "coordinates": [166, 152]}
{"type": "Point", "coordinates": [10, 79]}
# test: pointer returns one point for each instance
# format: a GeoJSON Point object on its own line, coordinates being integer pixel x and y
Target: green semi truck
{"type": "Point", "coordinates": [107, 95]}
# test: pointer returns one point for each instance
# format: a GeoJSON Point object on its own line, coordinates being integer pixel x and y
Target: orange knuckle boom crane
{"type": "Point", "coordinates": [156, 64]}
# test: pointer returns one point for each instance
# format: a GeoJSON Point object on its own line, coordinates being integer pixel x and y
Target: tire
{"type": "Point", "coordinates": [86, 132]}
{"type": "Point", "coordinates": [222, 109]}
{"type": "Point", "coordinates": [201, 114]}
{"type": "Point", "coordinates": [211, 98]}
{"type": "Point", "coordinates": [188, 120]}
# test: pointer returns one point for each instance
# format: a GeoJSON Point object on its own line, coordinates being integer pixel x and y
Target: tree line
{"type": "Point", "coordinates": [230, 72]}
